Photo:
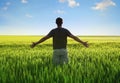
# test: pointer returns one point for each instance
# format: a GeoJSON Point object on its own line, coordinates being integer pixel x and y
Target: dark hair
{"type": "Point", "coordinates": [59, 21]}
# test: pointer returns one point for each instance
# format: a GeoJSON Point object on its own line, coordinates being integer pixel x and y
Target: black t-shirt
{"type": "Point", "coordinates": [59, 37]}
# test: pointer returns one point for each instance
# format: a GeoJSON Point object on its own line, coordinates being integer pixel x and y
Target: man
{"type": "Point", "coordinates": [59, 35]}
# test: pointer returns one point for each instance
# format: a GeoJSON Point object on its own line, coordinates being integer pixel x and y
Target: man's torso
{"type": "Point", "coordinates": [59, 37]}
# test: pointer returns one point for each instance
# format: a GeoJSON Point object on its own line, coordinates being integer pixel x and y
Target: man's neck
{"type": "Point", "coordinates": [59, 26]}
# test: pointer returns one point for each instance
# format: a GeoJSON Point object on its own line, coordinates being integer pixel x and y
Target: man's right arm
{"type": "Point", "coordinates": [78, 40]}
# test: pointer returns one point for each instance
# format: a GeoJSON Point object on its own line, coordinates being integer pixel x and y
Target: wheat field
{"type": "Point", "coordinates": [100, 63]}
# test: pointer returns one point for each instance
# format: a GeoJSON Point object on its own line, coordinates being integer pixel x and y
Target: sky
{"type": "Point", "coordinates": [80, 17]}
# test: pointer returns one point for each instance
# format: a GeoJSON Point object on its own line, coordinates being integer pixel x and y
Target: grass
{"type": "Point", "coordinates": [100, 63]}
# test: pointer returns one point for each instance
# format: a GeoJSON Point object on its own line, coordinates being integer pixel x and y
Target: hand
{"type": "Point", "coordinates": [33, 45]}
{"type": "Point", "coordinates": [85, 44]}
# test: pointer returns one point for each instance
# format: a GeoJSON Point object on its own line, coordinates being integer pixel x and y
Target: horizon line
{"type": "Point", "coordinates": [76, 35]}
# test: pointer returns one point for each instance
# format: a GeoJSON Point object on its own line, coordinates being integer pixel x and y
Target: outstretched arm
{"type": "Point", "coordinates": [78, 40]}
{"type": "Point", "coordinates": [40, 41]}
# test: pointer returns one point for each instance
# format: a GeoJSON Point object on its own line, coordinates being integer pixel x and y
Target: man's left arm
{"type": "Point", "coordinates": [40, 41]}
{"type": "Point", "coordinates": [50, 34]}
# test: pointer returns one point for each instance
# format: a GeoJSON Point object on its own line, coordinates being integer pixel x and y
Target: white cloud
{"type": "Point", "coordinates": [6, 6]}
{"type": "Point", "coordinates": [29, 16]}
{"type": "Point", "coordinates": [60, 12]}
{"type": "Point", "coordinates": [8, 3]}
{"type": "Point", "coordinates": [24, 1]}
{"type": "Point", "coordinates": [71, 3]}
{"type": "Point", "coordinates": [104, 5]}
{"type": "Point", "coordinates": [62, 1]}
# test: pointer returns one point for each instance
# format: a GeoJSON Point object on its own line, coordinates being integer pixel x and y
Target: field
{"type": "Point", "coordinates": [100, 63]}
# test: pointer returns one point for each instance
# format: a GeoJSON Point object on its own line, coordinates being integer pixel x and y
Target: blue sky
{"type": "Point", "coordinates": [81, 17]}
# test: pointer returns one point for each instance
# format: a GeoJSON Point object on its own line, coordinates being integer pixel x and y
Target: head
{"type": "Point", "coordinates": [59, 21]}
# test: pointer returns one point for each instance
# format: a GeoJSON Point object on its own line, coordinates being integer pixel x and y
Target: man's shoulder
{"type": "Point", "coordinates": [64, 29]}
{"type": "Point", "coordinates": [54, 29]}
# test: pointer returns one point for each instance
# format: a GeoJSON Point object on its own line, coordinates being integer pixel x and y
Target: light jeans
{"type": "Point", "coordinates": [60, 56]}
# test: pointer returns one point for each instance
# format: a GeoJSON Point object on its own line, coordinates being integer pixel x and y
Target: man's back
{"type": "Point", "coordinates": [59, 37]}
{"type": "Point", "coordinates": [59, 42]}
